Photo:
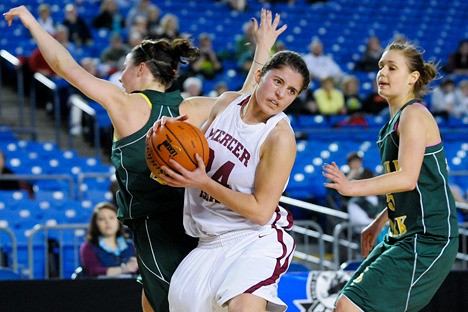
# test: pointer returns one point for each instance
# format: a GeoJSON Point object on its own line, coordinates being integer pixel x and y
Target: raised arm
{"type": "Point", "coordinates": [265, 36]}
{"type": "Point", "coordinates": [61, 61]}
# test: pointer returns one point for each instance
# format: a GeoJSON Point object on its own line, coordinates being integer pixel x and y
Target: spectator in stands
{"type": "Point", "coordinates": [350, 88]}
{"type": "Point", "coordinates": [169, 27]}
{"type": "Point", "coordinates": [321, 66]}
{"type": "Point", "coordinates": [245, 47]}
{"type": "Point", "coordinates": [109, 17]}
{"type": "Point", "coordinates": [208, 64]}
{"type": "Point", "coordinates": [154, 20]}
{"type": "Point", "coordinates": [355, 169]}
{"type": "Point", "coordinates": [192, 86]}
{"type": "Point", "coordinates": [107, 250]}
{"type": "Point", "coordinates": [114, 52]}
{"type": "Point", "coordinates": [356, 166]}
{"type": "Point", "coordinates": [458, 61]}
{"type": "Point", "coordinates": [374, 103]}
{"type": "Point", "coordinates": [139, 28]}
{"type": "Point", "coordinates": [37, 64]}
{"type": "Point", "coordinates": [45, 19]}
{"type": "Point", "coordinates": [443, 99]}
{"type": "Point", "coordinates": [371, 57]}
{"type": "Point", "coordinates": [461, 99]}
{"type": "Point", "coordinates": [329, 99]}
{"type": "Point", "coordinates": [219, 89]}
{"type": "Point", "coordinates": [237, 5]}
{"type": "Point", "coordinates": [78, 31]}
{"type": "Point", "coordinates": [14, 184]}
{"type": "Point", "coordinates": [134, 38]}
{"type": "Point", "coordinates": [62, 35]}
{"type": "Point", "coordinates": [140, 8]}
{"type": "Point", "coordinates": [36, 61]}
{"type": "Point", "coordinates": [363, 210]}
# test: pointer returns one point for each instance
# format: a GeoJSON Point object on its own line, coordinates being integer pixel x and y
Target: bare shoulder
{"type": "Point", "coordinates": [282, 135]}
{"type": "Point", "coordinates": [417, 118]}
{"type": "Point", "coordinates": [417, 112]}
{"type": "Point", "coordinates": [197, 108]}
{"type": "Point", "coordinates": [224, 100]}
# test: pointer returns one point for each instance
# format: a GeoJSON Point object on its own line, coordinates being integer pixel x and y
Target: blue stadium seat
{"type": "Point", "coordinates": [7, 274]}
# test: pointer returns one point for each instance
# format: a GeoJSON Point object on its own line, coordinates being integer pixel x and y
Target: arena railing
{"type": "Point", "coordinates": [79, 103]}
{"type": "Point", "coordinates": [79, 231]}
{"type": "Point", "coordinates": [462, 255]}
{"type": "Point", "coordinates": [345, 239]}
{"type": "Point", "coordinates": [52, 87]}
{"type": "Point", "coordinates": [13, 62]}
{"type": "Point", "coordinates": [308, 231]}
{"type": "Point", "coordinates": [14, 247]}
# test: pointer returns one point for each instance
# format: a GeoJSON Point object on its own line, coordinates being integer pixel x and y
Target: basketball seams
{"type": "Point", "coordinates": [155, 152]}
{"type": "Point", "coordinates": [182, 146]}
{"type": "Point", "coordinates": [202, 143]}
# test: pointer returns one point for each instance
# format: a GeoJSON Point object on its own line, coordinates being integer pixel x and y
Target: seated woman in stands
{"type": "Point", "coordinates": [107, 250]}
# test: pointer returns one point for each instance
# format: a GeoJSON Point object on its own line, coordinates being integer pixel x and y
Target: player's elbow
{"type": "Point", "coordinates": [262, 219]}
{"type": "Point", "coordinates": [408, 185]}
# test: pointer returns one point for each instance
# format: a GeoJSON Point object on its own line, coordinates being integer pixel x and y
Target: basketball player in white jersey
{"type": "Point", "coordinates": [231, 205]}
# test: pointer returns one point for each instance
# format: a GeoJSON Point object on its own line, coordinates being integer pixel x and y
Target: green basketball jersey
{"type": "Point", "coordinates": [139, 195]}
{"type": "Point", "coordinates": [429, 208]}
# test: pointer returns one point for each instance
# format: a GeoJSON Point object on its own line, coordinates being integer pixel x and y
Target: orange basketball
{"type": "Point", "coordinates": [177, 140]}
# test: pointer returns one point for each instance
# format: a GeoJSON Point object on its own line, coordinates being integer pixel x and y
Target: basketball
{"type": "Point", "coordinates": [177, 140]}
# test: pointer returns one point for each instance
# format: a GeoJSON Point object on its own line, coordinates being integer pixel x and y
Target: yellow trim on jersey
{"type": "Point", "coordinates": [150, 105]}
{"type": "Point", "coordinates": [147, 100]}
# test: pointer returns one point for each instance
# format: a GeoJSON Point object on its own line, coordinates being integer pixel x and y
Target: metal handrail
{"type": "Point", "coordinates": [49, 84]}
{"type": "Point", "coordinates": [15, 62]}
{"type": "Point", "coordinates": [14, 246]}
{"type": "Point", "coordinates": [45, 228]}
{"type": "Point", "coordinates": [81, 104]}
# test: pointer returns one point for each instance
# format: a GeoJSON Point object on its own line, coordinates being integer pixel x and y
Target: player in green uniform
{"type": "Point", "coordinates": [404, 271]}
{"type": "Point", "coordinates": [152, 211]}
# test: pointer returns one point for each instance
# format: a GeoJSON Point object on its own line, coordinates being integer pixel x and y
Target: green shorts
{"type": "Point", "coordinates": [403, 275]}
{"type": "Point", "coordinates": [161, 244]}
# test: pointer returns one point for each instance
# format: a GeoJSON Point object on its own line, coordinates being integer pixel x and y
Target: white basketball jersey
{"type": "Point", "coordinates": [234, 156]}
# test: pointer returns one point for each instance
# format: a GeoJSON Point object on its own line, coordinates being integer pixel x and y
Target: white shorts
{"type": "Point", "coordinates": [219, 269]}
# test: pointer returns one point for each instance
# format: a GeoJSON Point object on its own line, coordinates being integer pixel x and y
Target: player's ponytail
{"type": "Point", "coordinates": [163, 57]}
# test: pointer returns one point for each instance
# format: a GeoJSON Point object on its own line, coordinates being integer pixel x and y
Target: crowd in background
{"type": "Point", "coordinates": [334, 91]}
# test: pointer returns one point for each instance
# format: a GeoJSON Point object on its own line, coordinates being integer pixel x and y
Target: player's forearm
{"type": "Point", "coordinates": [244, 204]}
{"type": "Point", "coordinates": [261, 56]}
{"type": "Point", "coordinates": [55, 54]}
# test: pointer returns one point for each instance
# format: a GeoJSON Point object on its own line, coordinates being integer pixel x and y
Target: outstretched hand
{"type": "Point", "coordinates": [340, 182]}
{"type": "Point", "coordinates": [22, 12]}
{"type": "Point", "coordinates": [266, 33]}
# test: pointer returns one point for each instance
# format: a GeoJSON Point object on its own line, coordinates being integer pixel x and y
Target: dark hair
{"type": "Point", "coordinates": [414, 60]}
{"type": "Point", "coordinates": [292, 59]}
{"type": "Point", "coordinates": [163, 57]}
{"type": "Point", "coordinates": [93, 230]}
{"type": "Point", "coordinates": [352, 156]}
